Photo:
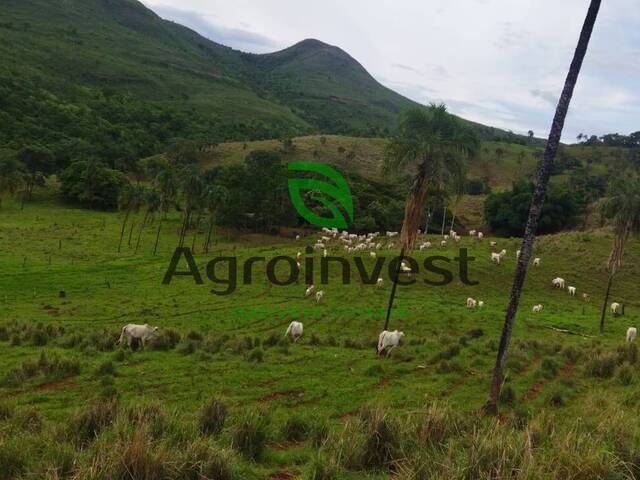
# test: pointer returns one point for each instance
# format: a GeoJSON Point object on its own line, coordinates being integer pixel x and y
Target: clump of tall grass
{"type": "Point", "coordinates": [250, 432]}
{"type": "Point", "coordinates": [166, 340]}
{"type": "Point", "coordinates": [87, 424]}
{"type": "Point", "coordinates": [212, 417]}
{"type": "Point", "coordinates": [295, 429]}
{"type": "Point", "coordinates": [602, 365]}
{"type": "Point", "coordinates": [321, 467]}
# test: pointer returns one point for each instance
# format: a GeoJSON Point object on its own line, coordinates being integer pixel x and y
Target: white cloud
{"type": "Point", "coordinates": [499, 62]}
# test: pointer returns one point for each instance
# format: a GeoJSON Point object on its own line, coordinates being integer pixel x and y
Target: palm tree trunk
{"type": "Point", "coordinates": [444, 218]}
{"type": "Point", "coordinates": [413, 211]}
{"type": "Point", "coordinates": [124, 224]}
{"type": "Point", "coordinates": [155, 246]}
{"type": "Point", "coordinates": [491, 406]}
{"type": "Point", "coordinates": [606, 301]}
{"type": "Point", "coordinates": [144, 222]}
{"type": "Point", "coordinates": [453, 220]}
{"type": "Point", "coordinates": [130, 233]}
{"type": "Point", "coordinates": [195, 233]}
{"type": "Point", "coordinates": [209, 233]}
{"type": "Point", "coordinates": [426, 226]}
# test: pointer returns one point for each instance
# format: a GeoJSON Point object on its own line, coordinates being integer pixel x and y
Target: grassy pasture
{"type": "Point", "coordinates": [332, 372]}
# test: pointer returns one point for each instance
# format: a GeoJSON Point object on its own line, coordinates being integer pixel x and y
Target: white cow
{"type": "Point", "coordinates": [404, 268]}
{"type": "Point", "coordinates": [472, 233]}
{"type": "Point", "coordinates": [480, 304]}
{"type": "Point", "coordinates": [443, 243]}
{"type": "Point", "coordinates": [632, 333]}
{"type": "Point", "coordinates": [586, 297]}
{"type": "Point", "coordinates": [503, 252]}
{"type": "Point", "coordinates": [294, 329]}
{"type": "Point", "coordinates": [389, 340]}
{"type": "Point", "coordinates": [471, 303]}
{"type": "Point", "coordinates": [536, 262]}
{"type": "Point", "coordinates": [298, 255]}
{"type": "Point", "coordinates": [616, 308]}
{"type": "Point", "coordinates": [572, 291]}
{"type": "Point", "coordinates": [518, 254]}
{"type": "Point", "coordinates": [372, 254]}
{"type": "Point", "coordinates": [496, 257]}
{"type": "Point", "coordinates": [144, 333]}
{"type": "Point", "coordinates": [297, 237]}
{"type": "Point", "coordinates": [537, 308]}
{"type": "Point", "coordinates": [319, 296]}
{"type": "Point", "coordinates": [379, 282]}
{"type": "Point", "coordinates": [493, 244]}
{"type": "Point", "coordinates": [558, 282]}
{"type": "Point", "coordinates": [480, 235]}
{"type": "Point", "coordinates": [309, 291]}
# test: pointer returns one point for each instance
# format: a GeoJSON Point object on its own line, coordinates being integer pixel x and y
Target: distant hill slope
{"type": "Point", "coordinates": [112, 78]}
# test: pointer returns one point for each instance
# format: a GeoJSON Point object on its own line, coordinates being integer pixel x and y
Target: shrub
{"type": "Point", "coordinates": [272, 340]}
{"type": "Point", "coordinates": [348, 343]}
{"type": "Point", "coordinates": [15, 340]}
{"type": "Point", "coordinates": [4, 333]}
{"type": "Point", "coordinates": [106, 368]}
{"type": "Point", "coordinates": [39, 338]}
{"type": "Point", "coordinates": [295, 429]}
{"type": "Point", "coordinates": [381, 447]}
{"type": "Point", "coordinates": [30, 421]}
{"type": "Point", "coordinates": [87, 424]}
{"type": "Point", "coordinates": [212, 417]}
{"type": "Point", "coordinates": [571, 353]}
{"type": "Point", "coordinates": [556, 398]}
{"type": "Point", "coordinates": [626, 375]}
{"type": "Point", "coordinates": [549, 367]}
{"type": "Point", "coordinates": [627, 353]}
{"type": "Point", "coordinates": [256, 355]}
{"type": "Point", "coordinates": [602, 366]}
{"type": "Point", "coordinates": [318, 432]}
{"type": "Point", "coordinates": [187, 348]}
{"type": "Point", "coordinates": [140, 460]}
{"type": "Point", "coordinates": [6, 411]}
{"type": "Point", "coordinates": [194, 336]}
{"type": "Point", "coordinates": [507, 395]}
{"type": "Point", "coordinates": [165, 340]}
{"type": "Point", "coordinates": [315, 340]}
{"type": "Point", "coordinates": [321, 468]}
{"type": "Point", "coordinates": [250, 433]}
{"type": "Point", "coordinates": [13, 462]}
{"type": "Point", "coordinates": [436, 423]}
{"type": "Point", "coordinates": [475, 333]}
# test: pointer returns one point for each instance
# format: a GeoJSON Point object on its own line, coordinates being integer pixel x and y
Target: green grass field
{"type": "Point", "coordinates": [231, 345]}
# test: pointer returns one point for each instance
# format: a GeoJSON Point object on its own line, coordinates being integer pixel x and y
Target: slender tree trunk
{"type": "Point", "coordinates": [392, 296]}
{"type": "Point", "coordinates": [444, 218]}
{"type": "Point", "coordinates": [551, 149]}
{"type": "Point", "coordinates": [195, 233]}
{"type": "Point", "coordinates": [426, 226]}
{"type": "Point", "coordinates": [124, 224]}
{"type": "Point", "coordinates": [606, 301]}
{"type": "Point", "coordinates": [155, 246]}
{"type": "Point", "coordinates": [130, 233]}
{"type": "Point", "coordinates": [209, 233]}
{"type": "Point", "coordinates": [144, 222]}
{"type": "Point", "coordinates": [453, 220]}
{"type": "Point", "coordinates": [413, 211]}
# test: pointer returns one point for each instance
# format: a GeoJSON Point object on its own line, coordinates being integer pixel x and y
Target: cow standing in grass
{"type": "Point", "coordinates": [387, 341]}
{"type": "Point", "coordinates": [132, 332]}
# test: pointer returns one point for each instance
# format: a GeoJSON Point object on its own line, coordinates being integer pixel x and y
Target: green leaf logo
{"type": "Point", "coordinates": [339, 191]}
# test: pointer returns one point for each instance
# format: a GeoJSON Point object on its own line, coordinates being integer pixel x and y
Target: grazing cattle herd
{"type": "Point", "coordinates": [387, 340]}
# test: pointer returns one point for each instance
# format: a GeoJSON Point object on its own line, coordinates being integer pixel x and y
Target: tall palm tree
{"type": "Point", "coordinates": [216, 195]}
{"type": "Point", "coordinates": [438, 144]}
{"type": "Point", "coordinates": [193, 187]}
{"type": "Point", "coordinates": [551, 149]}
{"type": "Point", "coordinates": [166, 184]}
{"type": "Point", "coordinates": [151, 201]}
{"type": "Point", "coordinates": [622, 206]}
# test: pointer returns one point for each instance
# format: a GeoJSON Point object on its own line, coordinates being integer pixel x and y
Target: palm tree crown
{"type": "Point", "coordinates": [438, 144]}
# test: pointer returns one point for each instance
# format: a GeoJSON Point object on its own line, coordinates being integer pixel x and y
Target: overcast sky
{"type": "Point", "coordinates": [498, 62]}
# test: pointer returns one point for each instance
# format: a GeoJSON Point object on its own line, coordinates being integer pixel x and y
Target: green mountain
{"type": "Point", "coordinates": [111, 79]}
